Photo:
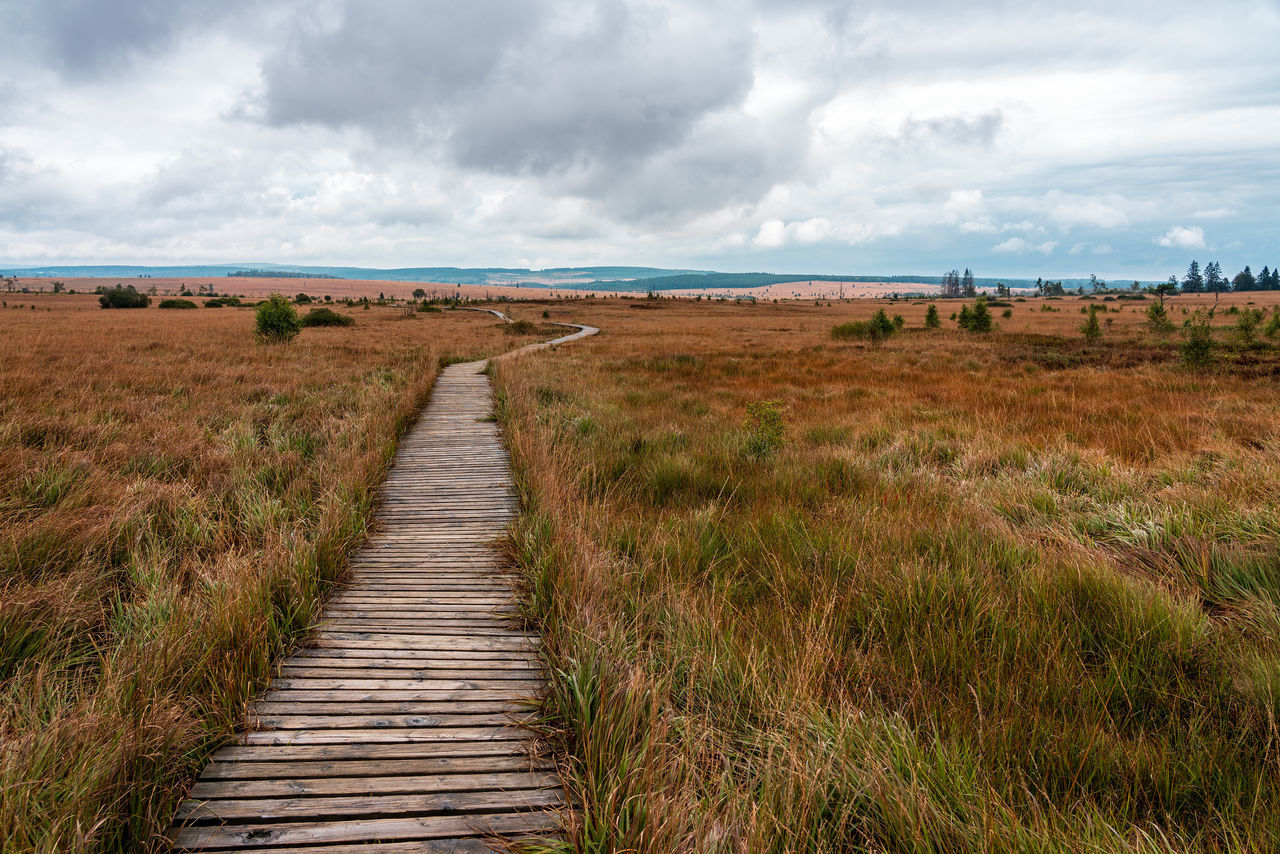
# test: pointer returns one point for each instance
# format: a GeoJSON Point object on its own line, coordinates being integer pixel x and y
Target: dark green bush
{"type": "Point", "coordinates": [177, 303]}
{"type": "Point", "coordinates": [975, 317]}
{"type": "Point", "coordinates": [277, 321]}
{"type": "Point", "coordinates": [119, 297]}
{"type": "Point", "coordinates": [931, 319]}
{"type": "Point", "coordinates": [327, 317]}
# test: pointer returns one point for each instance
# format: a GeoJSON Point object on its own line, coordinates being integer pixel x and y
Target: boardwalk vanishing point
{"type": "Point", "coordinates": [397, 727]}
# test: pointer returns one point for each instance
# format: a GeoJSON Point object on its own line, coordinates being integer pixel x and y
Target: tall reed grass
{"type": "Point", "coordinates": [990, 594]}
{"type": "Point", "coordinates": [176, 501]}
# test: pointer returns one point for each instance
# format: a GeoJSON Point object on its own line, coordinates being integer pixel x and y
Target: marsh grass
{"type": "Point", "coordinates": [975, 603]}
{"type": "Point", "coordinates": [176, 502]}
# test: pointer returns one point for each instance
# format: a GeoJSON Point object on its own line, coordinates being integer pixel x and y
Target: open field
{"type": "Point", "coordinates": [257, 288]}
{"type": "Point", "coordinates": [955, 592]}
{"type": "Point", "coordinates": [175, 500]}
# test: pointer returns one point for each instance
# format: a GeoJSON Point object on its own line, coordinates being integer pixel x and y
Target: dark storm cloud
{"type": "Point", "coordinates": [513, 86]}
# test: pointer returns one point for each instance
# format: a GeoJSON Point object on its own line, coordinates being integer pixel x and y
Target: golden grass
{"type": "Point", "coordinates": [176, 501]}
{"type": "Point", "coordinates": [994, 592]}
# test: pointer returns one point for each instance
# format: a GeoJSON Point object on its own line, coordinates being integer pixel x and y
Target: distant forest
{"type": "Point", "coordinates": [278, 274]}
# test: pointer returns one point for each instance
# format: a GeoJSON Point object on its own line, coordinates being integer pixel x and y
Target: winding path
{"type": "Point", "coordinates": [397, 728]}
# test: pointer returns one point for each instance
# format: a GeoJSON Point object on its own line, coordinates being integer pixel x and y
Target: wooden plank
{"type": "Point", "coordinates": [303, 753]}
{"type": "Point", "coordinates": [371, 768]}
{"type": "Point", "coordinates": [378, 784]}
{"type": "Point", "coordinates": [364, 721]}
{"type": "Point", "coordinates": [352, 806]}
{"type": "Point", "coordinates": [383, 736]}
{"type": "Point", "coordinates": [214, 838]}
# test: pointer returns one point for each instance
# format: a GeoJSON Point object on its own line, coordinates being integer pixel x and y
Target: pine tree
{"type": "Point", "coordinates": [1194, 282]}
{"type": "Point", "coordinates": [1244, 280]}
{"type": "Point", "coordinates": [931, 319]}
{"type": "Point", "coordinates": [1213, 281]}
{"type": "Point", "coordinates": [967, 283]}
{"type": "Point", "coordinates": [1264, 279]}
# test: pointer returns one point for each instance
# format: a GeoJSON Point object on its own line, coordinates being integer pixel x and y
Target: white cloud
{"type": "Point", "coordinates": [1019, 246]}
{"type": "Point", "coordinates": [1183, 237]}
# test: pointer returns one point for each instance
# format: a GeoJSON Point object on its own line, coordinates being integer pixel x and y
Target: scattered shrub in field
{"type": "Point", "coordinates": [327, 317]}
{"type": "Point", "coordinates": [1007, 313]}
{"type": "Point", "coordinates": [1158, 319]}
{"type": "Point", "coordinates": [976, 317]}
{"type": "Point", "coordinates": [177, 303]}
{"type": "Point", "coordinates": [1246, 329]}
{"type": "Point", "coordinates": [878, 328]}
{"type": "Point", "coordinates": [765, 429]}
{"type": "Point", "coordinates": [119, 297]}
{"type": "Point", "coordinates": [1091, 330]}
{"type": "Point", "coordinates": [1272, 329]}
{"type": "Point", "coordinates": [427, 307]}
{"type": "Point", "coordinates": [898, 322]}
{"type": "Point", "coordinates": [277, 321]}
{"type": "Point", "coordinates": [213, 303]}
{"type": "Point", "coordinates": [302, 299]}
{"type": "Point", "coordinates": [521, 327]}
{"type": "Point", "coordinates": [931, 319]}
{"type": "Point", "coordinates": [1197, 340]}
{"type": "Point", "coordinates": [219, 302]}
{"type": "Point", "coordinates": [546, 315]}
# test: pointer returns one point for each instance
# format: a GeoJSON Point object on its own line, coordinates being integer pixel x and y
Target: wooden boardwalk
{"type": "Point", "coordinates": [397, 728]}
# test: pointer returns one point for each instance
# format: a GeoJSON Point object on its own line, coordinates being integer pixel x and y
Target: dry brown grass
{"type": "Point", "coordinates": [993, 592]}
{"type": "Point", "coordinates": [175, 502]}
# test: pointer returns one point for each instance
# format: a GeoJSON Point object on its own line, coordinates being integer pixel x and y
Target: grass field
{"type": "Point", "coordinates": [946, 592]}
{"type": "Point", "coordinates": [175, 501]}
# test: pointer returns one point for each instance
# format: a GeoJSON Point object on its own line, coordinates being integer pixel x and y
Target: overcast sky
{"type": "Point", "coordinates": [1027, 138]}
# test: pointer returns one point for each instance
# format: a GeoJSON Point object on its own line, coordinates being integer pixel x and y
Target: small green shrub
{"type": "Point", "coordinates": [302, 299]}
{"type": "Point", "coordinates": [1091, 329]}
{"type": "Point", "coordinates": [1158, 319]}
{"type": "Point", "coordinates": [765, 428]}
{"type": "Point", "coordinates": [931, 319]}
{"type": "Point", "coordinates": [213, 303]}
{"type": "Point", "coordinates": [327, 317]}
{"type": "Point", "coordinates": [1007, 313]}
{"type": "Point", "coordinates": [876, 329]}
{"type": "Point", "coordinates": [428, 308]}
{"type": "Point", "coordinates": [119, 297]}
{"type": "Point", "coordinates": [521, 327]}
{"type": "Point", "coordinates": [1197, 340]}
{"type": "Point", "coordinates": [177, 303]}
{"type": "Point", "coordinates": [277, 320]}
{"type": "Point", "coordinates": [1246, 328]}
{"type": "Point", "coordinates": [976, 317]}
{"type": "Point", "coordinates": [1272, 329]}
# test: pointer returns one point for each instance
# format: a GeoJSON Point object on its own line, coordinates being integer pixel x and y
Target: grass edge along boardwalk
{"type": "Point", "coordinates": [399, 722]}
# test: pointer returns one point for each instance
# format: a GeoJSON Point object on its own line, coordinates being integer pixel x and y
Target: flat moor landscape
{"type": "Point", "coordinates": [808, 577]}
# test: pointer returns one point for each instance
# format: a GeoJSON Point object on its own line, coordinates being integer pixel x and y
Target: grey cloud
{"type": "Point", "coordinates": [515, 87]}
{"type": "Point", "coordinates": [83, 38]}
{"type": "Point", "coordinates": [955, 130]}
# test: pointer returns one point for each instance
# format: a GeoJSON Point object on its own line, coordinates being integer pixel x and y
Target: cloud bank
{"type": "Point", "coordinates": [743, 135]}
